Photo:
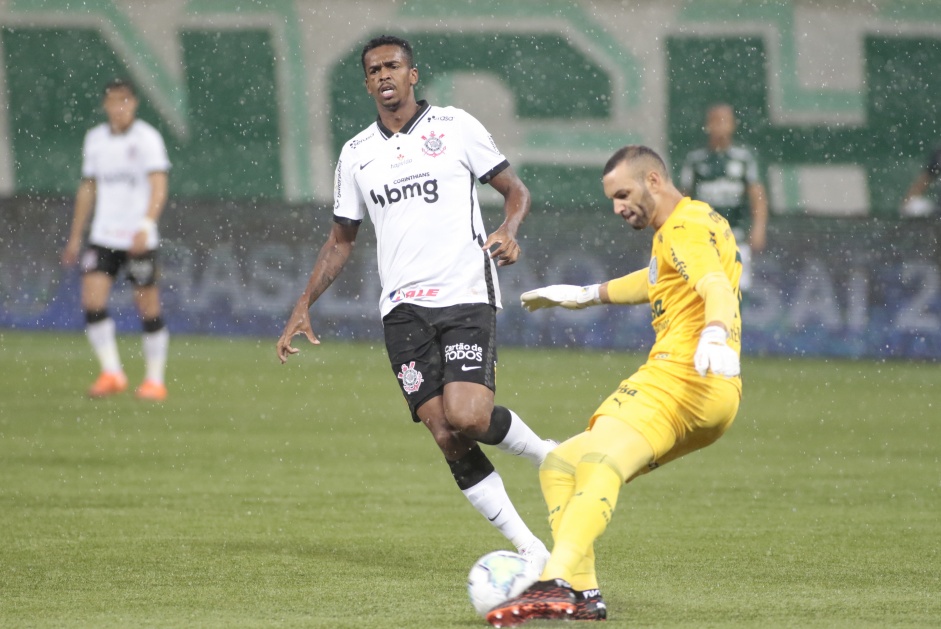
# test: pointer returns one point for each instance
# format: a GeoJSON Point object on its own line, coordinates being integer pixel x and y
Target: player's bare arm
{"type": "Point", "coordinates": [758, 202]}
{"type": "Point", "coordinates": [516, 204]}
{"type": "Point", "coordinates": [330, 261]}
{"type": "Point", "coordinates": [84, 202]}
{"type": "Point", "coordinates": [159, 184]}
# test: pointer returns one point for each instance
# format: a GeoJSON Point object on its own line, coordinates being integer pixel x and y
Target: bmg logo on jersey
{"type": "Point", "coordinates": [427, 189]}
{"type": "Point", "coordinates": [463, 351]}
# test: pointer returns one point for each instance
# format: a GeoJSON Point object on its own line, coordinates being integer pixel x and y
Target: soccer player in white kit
{"type": "Point", "coordinates": [414, 170]}
{"type": "Point", "coordinates": [124, 179]}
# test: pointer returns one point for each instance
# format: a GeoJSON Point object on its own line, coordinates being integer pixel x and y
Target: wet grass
{"type": "Point", "coordinates": [262, 495]}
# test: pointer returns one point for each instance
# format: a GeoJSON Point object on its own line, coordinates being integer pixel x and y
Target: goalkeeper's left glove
{"type": "Point", "coordinates": [565, 295]}
{"type": "Point", "coordinates": [714, 354]}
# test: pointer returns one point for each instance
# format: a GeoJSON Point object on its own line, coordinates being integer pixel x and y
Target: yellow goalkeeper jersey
{"type": "Point", "coordinates": [694, 242]}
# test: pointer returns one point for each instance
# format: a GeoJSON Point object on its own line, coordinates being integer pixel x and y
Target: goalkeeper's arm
{"type": "Point", "coordinates": [713, 352]}
{"type": "Point", "coordinates": [630, 289]}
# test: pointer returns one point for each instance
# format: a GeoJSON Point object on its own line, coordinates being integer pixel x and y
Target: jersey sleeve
{"type": "Point", "coordinates": [348, 205]}
{"type": "Point", "coordinates": [484, 158]}
{"type": "Point", "coordinates": [155, 153]}
{"type": "Point", "coordinates": [89, 170]}
{"type": "Point", "coordinates": [693, 250]}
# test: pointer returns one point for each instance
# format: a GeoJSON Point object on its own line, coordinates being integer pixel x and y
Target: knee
{"type": "Point", "coordinates": [470, 419]}
{"type": "Point", "coordinates": [447, 438]}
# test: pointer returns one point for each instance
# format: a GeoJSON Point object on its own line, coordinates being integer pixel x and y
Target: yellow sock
{"type": "Point", "coordinates": [585, 517]}
{"type": "Point", "coordinates": [557, 479]}
{"type": "Point", "coordinates": [584, 576]}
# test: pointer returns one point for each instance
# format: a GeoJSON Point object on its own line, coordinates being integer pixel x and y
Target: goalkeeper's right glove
{"type": "Point", "coordinates": [713, 354]}
{"type": "Point", "coordinates": [565, 295]}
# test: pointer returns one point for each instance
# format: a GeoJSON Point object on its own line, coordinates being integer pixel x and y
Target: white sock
{"type": "Point", "coordinates": [520, 440]}
{"type": "Point", "coordinates": [489, 497]}
{"type": "Point", "coordinates": [102, 338]}
{"type": "Point", "coordinates": [155, 354]}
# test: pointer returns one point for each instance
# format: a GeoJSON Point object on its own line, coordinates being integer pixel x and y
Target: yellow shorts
{"type": "Point", "coordinates": [674, 408]}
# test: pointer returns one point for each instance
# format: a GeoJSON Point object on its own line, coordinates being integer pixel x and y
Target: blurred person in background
{"type": "Point", "coordinates": [916, 201]}
{"type": "Point", "coordinates": [726, 176]}
{"type": "Point", "coordinates": [414, 171]}
{"type": "Point", "coordinates": [123, 191]}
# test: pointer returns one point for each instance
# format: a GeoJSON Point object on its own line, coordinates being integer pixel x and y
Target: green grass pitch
{"type": "Point", "coordinates": [262, 495]}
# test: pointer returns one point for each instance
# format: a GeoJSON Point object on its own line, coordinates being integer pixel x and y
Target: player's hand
{"type": "Point", "coordinates": [918, 206]}
{"type": "Point", "coordinates": [139, 244]}
{"type": "Point", "coordinates": [298, 323]}
{"type": "Point", "coordinates": [565, 295]}
{"type": "Point", "coordinates": [507, 251]}
{"type": "Point", "coordinates": [713, 354]}
{"type": "Point", "coordinates": [70, 253]}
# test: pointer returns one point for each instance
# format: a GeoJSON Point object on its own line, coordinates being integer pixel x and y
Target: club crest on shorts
{"type": "Point", "coordinates": [433, 145]}
{"type": "Point", "coordinates": [411, 378]}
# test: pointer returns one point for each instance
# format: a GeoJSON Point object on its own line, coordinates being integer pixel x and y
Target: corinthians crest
{"type": "Point", "coordinates": [433, 145]}
{"type": "Point", "coordinates": [411, 378]}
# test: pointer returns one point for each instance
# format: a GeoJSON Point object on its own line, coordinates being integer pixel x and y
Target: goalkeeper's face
{"type": "Point", "coordinates": [633, 202]}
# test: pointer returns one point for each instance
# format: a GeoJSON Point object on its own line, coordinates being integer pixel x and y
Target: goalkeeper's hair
{"type": "Point", "coordinates": [643, 157]}
{"type": "Point", "coordinates": [388, 40]}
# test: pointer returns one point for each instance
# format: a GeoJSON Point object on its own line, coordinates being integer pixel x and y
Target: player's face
{"type": "Point", "coordinates": [720, 124]}
{"type": "Point", "coordinates": [389, 79]}
{"type": "Point", "coordinates": [120, 106]}
{"type": "Point", "coordinates": [632, 199]}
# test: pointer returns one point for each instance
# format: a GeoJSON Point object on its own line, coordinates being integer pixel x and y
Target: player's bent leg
{"type": "Point", "coordinates": [719, 405]}
{"type": "Point", "coordinates": [614, 451]}
{"type": "Point", "coordinates": [557, 480]}
{"type": "Point", "coordinates": [469, 407]}
{"type": "Point", "coordinates": [480, 483]}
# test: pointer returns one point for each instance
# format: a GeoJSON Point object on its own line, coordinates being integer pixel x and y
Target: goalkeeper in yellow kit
{"type": "Point", "coordinates": [683, 398]}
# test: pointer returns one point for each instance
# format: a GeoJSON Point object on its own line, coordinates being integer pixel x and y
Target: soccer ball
{"type": "Point", "coordinates": [497, 577]}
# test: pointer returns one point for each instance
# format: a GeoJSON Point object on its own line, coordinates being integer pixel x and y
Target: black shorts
{"type": "Point", "coordinates": [141, 270]}
{"type": "Point", "coordinates": [430, 347]}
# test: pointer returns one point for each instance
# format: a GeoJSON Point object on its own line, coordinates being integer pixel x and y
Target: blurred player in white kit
{"type": "Point", "coordinates": [123, 191]}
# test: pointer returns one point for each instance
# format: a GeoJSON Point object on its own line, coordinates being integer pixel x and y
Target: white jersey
{"type": "Point", "coordinates": [120, 165]}
{"type": "Point", "coordinates": [419, 187]}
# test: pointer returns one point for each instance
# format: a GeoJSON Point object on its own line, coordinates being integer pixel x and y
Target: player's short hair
{"type": "Point", "coordinates": [119, 84]}
{"type": "Point", "coordinates": [388, 40]}
{"type": "Point", "coordinates": [644, 157]}
{"type": "Point", "coordinates": [720, 105]}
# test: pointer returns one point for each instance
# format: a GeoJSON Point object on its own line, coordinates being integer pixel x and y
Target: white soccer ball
{"type": "Point", "coordinates": [497, 577]}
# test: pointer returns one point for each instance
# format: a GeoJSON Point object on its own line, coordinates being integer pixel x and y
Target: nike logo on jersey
{"type": "Point", "coordinates": [362, 166]}
{"type": "Point", "coordinates": [466, 368]}
{"type": "Point", "coordinates": [496, 516]}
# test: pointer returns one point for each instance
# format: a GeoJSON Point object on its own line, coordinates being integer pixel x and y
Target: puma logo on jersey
{"type": "Point", "coordinates": [427, 189]}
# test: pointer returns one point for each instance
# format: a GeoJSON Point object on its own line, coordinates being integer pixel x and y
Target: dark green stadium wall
{"type": "Point", "coordinates": [230, 150]}
{"type": "Point", "coordinates": [242, 98]}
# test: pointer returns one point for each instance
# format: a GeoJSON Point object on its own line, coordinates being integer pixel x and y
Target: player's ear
{"type": "Point", "coordinates": [413, 76]}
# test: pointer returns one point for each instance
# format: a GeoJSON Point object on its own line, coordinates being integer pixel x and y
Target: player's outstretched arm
{"type": "Point", "coordinates": [630, 290]}
{"type": "Point", "coordinates": [567, 296]}
{"type": "Point", "coordinates": [330, 261]}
